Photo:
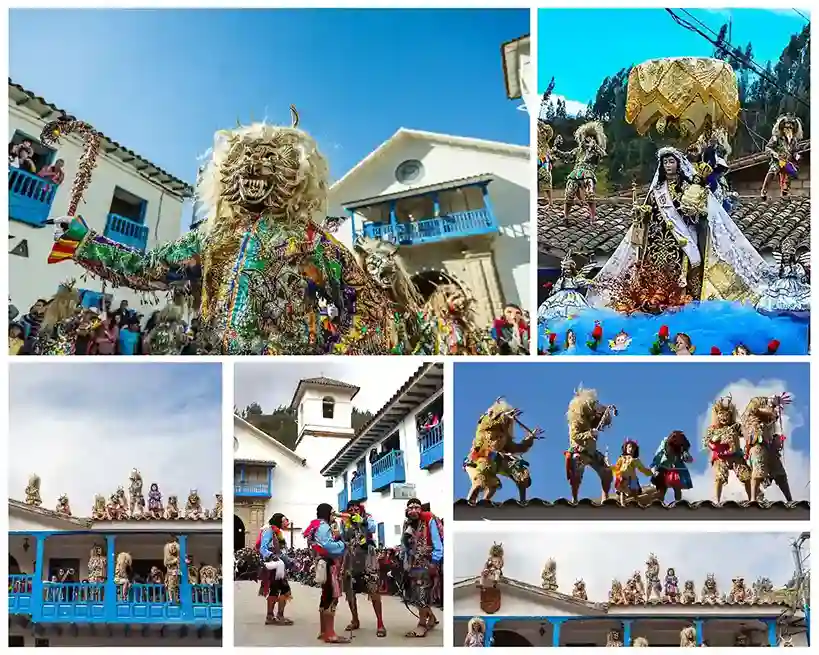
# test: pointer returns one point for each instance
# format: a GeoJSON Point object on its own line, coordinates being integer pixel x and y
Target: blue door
{"type": "Point", "coordinates": [381, 539]}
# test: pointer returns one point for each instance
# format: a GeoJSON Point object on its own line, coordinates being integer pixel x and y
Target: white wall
{"type": "Point", "coordinates": [297, 489]}
{"type": "Point", "coordinates": [31, 278]}
{"type": "Point", "coordinates": [430, 486]}
{"type": "Point", "coordinates": [509, 194]}
{"type": "Point", "coordinates": [203, 548]}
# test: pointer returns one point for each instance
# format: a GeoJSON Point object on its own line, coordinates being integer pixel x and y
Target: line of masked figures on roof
{"type": "Point", "coordinates": [122, 507]}
{"type": "Point", "coordinates": [265, 276]}
{"type": "Point", "coordinates": [747, 445]}
{"type": "Point", "coordinates": [682, 244]}
{"type": "Point", "coordinates": [636, 591]}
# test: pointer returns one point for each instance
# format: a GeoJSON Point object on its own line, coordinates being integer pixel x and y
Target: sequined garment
{"type": "Point", "coordinates": [265, 289]}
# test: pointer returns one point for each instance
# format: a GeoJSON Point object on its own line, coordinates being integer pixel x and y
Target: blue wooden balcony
{"type": "Point", "coordinates": [252, 489]}
{"type": "Point", "coordinates": [388, 469]}
{"type": "Point", "coordinates": [358, 488]}
{"type": "Point", "coordinates": [430, 230]}
{"type": "Point", "coordinates": [126, 231]}
{"type": "Point", "coordinates": [343, 500]}
{"type": "Point", "coordinates": [99, 602]}
{"type": "Point", "coordinates": [432, 446]}
{"type": "Point", "coordinates": [30, 197]}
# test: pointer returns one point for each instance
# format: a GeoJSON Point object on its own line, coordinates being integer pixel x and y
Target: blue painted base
{"type": "Point", "coordinates": [713, 324]}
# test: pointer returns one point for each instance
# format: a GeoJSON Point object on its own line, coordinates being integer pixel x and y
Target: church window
{"type": "Point", "coordinates": [328, 406]}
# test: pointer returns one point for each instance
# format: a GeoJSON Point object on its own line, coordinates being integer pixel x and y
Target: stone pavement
{"type": "Point", "coordinates": [250, 629]}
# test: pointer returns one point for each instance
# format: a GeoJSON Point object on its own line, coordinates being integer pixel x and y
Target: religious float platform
{"type": "Point", "coordinates": [563, 509]}
{"type": "Point", "coordinates": [134, 580]}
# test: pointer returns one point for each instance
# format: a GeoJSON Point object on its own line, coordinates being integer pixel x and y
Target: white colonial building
{"type": "Point", "coordinates": [394, 456]}
{"type": "Point", "coordinates": [130, 200]}
{"type": "Point", "coordinates": [457, 207]}
{"type": "Point", "coordinates": [75, 612]}
{"type": "Point", "coordinates": [521, 614]}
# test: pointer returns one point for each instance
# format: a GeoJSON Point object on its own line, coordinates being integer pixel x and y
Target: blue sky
{"type": "Point", "coordinates": [652, 399]}
{"type": "Point", "coordinates": [83, 427]}
{"type": "Point", "coordinates": [578, 71]}
{"type": "Point", "coordinates": [161, 82]}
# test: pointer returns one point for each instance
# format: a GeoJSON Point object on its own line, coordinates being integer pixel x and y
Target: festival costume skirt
{"type": "Point", "coordinates": [331, 589]}
{"type": "Point", "coordinates": [678, 478]}
{"type": "Point", "coordinates": [419, 593]}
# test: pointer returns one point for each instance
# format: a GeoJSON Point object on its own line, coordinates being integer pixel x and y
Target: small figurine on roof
{"type": "Point", "coordinates": [625, 469]}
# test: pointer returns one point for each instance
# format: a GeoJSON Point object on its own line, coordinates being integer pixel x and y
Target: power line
{"type": "Point", "coordinates": [720, 44]}
{"type": "Point", "coordinates": [802, 16]}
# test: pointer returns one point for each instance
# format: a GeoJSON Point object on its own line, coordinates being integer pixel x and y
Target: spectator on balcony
{"type": "Point", "coordinates": [53, 173]}
{"type": "Point", "coordinates": [430, 421]}
{"type": "Point", "coordinates": [31, 322]}
{"type": "Point", "coordinates": [107, 336]}
{"type": "Point", "coordinates": [23, 153]}
{"type": "Point", "coordinates": [16, 339]}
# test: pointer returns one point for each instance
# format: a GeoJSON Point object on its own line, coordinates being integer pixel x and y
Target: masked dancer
{"type": "Point", "coordinates": [361, 564]}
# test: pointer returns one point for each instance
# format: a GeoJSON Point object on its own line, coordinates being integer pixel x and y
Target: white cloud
{"type": "Point", "coordinates": [797, 462]}
{"type": "Point", "coordinates": [597, 557]}
{"type": "Point", "coordinates": [271, 384]}
{"type": "Point", "coordinates": [573, 107]}
{"type": "Point", "coordinates": [83, 427]}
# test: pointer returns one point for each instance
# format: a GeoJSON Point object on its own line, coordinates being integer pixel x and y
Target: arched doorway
{"type": "Point", "coordinates": [507, 638]}
{"type": "Point", "coordinates": [239, 532]}
{"type": "Point", "coordinates": [14, 567]}
{"type": "Point", "coordinates": [428, 281]}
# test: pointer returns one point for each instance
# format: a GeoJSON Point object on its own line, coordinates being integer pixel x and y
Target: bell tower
{"type": "Point", "coordinates": [324, 416]}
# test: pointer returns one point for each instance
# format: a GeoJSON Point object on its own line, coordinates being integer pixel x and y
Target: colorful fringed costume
{"type": "Point", "coordinates": [494, 452]}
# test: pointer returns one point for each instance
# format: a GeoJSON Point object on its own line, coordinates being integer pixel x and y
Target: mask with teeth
{"type": "Point", "coordinates": [270, 170]}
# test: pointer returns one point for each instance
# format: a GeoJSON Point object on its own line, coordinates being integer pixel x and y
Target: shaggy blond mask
{"type": "Point", "coordinates": [584, 409]}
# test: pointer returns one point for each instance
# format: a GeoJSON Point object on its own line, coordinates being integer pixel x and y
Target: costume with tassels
{"type": "Point", "coordinates": [590, 149]}
{"type": "Point", "coordinates": [272, 280]}
{"type": "Point", "coordinates": [782, 150]}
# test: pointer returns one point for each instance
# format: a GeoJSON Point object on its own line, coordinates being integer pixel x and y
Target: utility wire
{"type": "Point", "coordinates": [801, 15]}
{"type": "Point", "coordinates": [722, 46]}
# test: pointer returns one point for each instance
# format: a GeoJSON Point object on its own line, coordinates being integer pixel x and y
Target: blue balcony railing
{"type": "Point", "coordinates": [432, 446]}
{"type": "Point", "coordinates": [30, 197]}
{"type": "Point", "coordinates": [252, 489]}
{"type": "Point", "coordinates": [20, 593]}
{"type": "Point", "coordinates": [358, 488]}
{"type": "Point", "coordinates": [343, 500]}
{"type": "Point", "coordinates": [88, 602]}
{"type": "Point", "coordinates": [388, 469]}
{"type": "Point", "coordinates": [126, 231]}
{"type": "Point", "coordinates": [428, 230]}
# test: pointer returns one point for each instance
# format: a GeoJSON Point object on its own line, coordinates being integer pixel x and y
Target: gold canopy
{"type": "Point", "coordinates": [687, 90]}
